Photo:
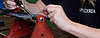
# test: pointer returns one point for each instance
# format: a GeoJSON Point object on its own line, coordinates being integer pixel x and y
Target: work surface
{"type": "Point", "coordinates": [55, 31]}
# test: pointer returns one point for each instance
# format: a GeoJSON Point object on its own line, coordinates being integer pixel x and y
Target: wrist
{"type": "Point", "coordinates": [66, 26]}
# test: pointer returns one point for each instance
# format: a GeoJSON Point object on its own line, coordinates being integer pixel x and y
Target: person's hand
{"type": "Point", "coordinates": [57, 15]}
{"type": "Point", "coordinates": [10, 4]}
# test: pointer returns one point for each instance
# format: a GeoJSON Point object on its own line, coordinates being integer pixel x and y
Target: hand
{"type": "Point", "coordinates": [57, 15]}
{"type": "Point", "coordinates": [10, 4]}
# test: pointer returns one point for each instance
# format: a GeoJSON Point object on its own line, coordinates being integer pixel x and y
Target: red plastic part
{"type": "Point", "coordinates": [19, 28]}
{"type": "Point", "coordinates": [17, 9]}
{"type": "Point", "coordinates": [41, 30]}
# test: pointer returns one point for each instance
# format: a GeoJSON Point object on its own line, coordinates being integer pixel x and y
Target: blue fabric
{"type": "Point", "coordinates": [1, 22]}
{"type": "Point", "coordinates": [1, 4]}
{"type": "Point", "coordinates": [2, 7]}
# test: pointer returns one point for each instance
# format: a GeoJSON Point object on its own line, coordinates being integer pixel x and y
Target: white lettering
{"type": "Point", "coordinates": [84, 10]}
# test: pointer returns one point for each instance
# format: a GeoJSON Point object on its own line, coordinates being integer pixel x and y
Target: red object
{"type": "Point", "coordinates": [41, 30]}
{"type": "Point", "coordinates": [19, 28]}
{"type": "Point", "coordinates": [17, 9]}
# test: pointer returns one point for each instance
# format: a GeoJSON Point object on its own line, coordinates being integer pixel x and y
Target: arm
{"type": "Point", "coordinates": [33, 8]}
{"type": "Point", "coordinates": [83, 30]}
{"type": "Point", "coordinates": [57, 16]}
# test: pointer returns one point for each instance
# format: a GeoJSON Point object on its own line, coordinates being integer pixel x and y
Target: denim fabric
{"type": "Point", "coordinates": [2, 5]}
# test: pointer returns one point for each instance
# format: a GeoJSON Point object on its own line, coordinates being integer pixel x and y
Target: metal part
{"type": "Point", "coordinates": [27, 16]}
{"type": "Point", "coordinates": [41, 19]}
{"type": "Point", "coordinates": [41, 30]}
{"type": "Point", "coordinates": [19, 3]}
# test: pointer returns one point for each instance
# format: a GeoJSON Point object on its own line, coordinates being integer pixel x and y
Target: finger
{"type": "Point", "coordinates": [51, 14]}
{"type": "Point", "coordinates": [8, 0]}
{"type": "Point", "coordinates": [45, 13]}
{"type": "Point", "coordinates": [11, 8]}
{"type": "Point", "coordinates": [52, 20]}
{"type": "Point", "coordinates": [45, 9]}
{"type": "Point", "coordinates": [9, 3]}
{"type": "Point", "coordinates": [51, 8]}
